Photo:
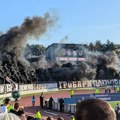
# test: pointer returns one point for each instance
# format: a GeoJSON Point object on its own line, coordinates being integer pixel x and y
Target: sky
{"type": "Point", "coordinates": [79, 21]}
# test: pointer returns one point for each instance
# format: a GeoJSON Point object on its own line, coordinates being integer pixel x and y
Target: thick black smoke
{"type": "Point", "coordinates": [12, 63]}
{"type": "Point", "coordinates": [96, 66]}
{"type": "Point", "coordinates": [108, 67]}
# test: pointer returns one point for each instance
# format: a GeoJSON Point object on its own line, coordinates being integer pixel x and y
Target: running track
{"type": "Point", "coordinates": [29, 110]}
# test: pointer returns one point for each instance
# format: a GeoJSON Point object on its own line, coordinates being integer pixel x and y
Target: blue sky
{"type": "Point", "coordinates": [82, 21]}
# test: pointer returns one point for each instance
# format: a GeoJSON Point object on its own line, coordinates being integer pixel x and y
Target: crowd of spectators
{"type": "Point", "coordinates": [91, 109]}
{"type": "Point", "coordinates": [11, 110]}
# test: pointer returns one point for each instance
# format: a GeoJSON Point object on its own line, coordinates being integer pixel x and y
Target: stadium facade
{"type": "Point", "coordinates": [59, 52]}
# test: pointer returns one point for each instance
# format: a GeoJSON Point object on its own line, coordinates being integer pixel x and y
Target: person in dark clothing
{"type": "Point", "coordinates": [107, 90]}
{"type": "Point", "coordinates": [117, 108]}
{"type": "Point", "coordinates": [61, 101]}
{"type": "Point", "coordinates": [16, 108]}
{"type": "Point", "coordinates": [50, 103]}
{"type": "Point", "coordinates": [30, 118]}
{"type": "Point", "coordinates": [21, 114]}
{"type": "Point", "coordinates": [41, 100]}
{"type": "Point", "coordinates": [45, 106]}
{"type": "Point", "coordinates": [13, 111]}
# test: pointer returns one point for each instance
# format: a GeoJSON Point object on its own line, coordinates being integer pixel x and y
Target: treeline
{"type": "Point", "coordinates": [34, 50]}
{"type": "Point", "coordinates": [106, 47]}
{"type": "Point", "coordinates": [37, 49]}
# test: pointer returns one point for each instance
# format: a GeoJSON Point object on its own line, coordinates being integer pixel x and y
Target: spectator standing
{"type": "Point", "coordinates": [11, 106]}
{"type": "Point", "coordinates": [33, 100]}
{"type": "Point", "coordinates": [38, 115]}
{"type": "Point", "coordinates": [51, 103]}
{"type": "Point", "coordinates": [107, 90]}
{"type": "Point", "coordinates": [97, 91]}
{"type": "Point", "coordinates": [117, 108]}
{"type": "Point", "coordinates": [16, 108]}
{"type": "Point", "coordinates": [41, 100]}
{"type": "Point", "coordinates": [61, 101]}
{"type": "Point", "coordinates": [72, 92]}
{"type": "Point", "coordinates": [7, 103]}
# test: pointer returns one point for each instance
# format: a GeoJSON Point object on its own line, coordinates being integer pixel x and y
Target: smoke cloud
{"type": "Point", "coordinates": [14, 65]}
{"type": "Point", "coordinates": [31, 28]}
{"type": "Point", "coordinates": [96, 66]}
{"type": "Point", "coordinates": [12, 42]}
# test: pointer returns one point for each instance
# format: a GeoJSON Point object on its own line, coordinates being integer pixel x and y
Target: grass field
{"type": "Point", "coordinates": [113, 103]}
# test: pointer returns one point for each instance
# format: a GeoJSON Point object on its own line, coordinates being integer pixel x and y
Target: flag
{"type": "Point", "coordinates": [8, 79]}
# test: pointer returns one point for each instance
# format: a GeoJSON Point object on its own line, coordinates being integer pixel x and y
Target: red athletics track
{"type": "Point", "coordinates": [26, 102]}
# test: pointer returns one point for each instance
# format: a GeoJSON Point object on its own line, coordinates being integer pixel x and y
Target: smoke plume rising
{"type": "Point", "coordinates": [31, 28]}
{"type": "Point", "coordinates": [13, 64]}
{"type": "Point", "coordinates": [12, 42]}
{"type": "Point", "coordinates": [95, 66]}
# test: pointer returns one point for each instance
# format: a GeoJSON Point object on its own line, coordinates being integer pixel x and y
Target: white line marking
{"type": "Point", "coordinates": [51, 113]}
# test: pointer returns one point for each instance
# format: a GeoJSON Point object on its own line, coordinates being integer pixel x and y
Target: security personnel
{"type": "Point", "coordinates": [97, 91]}
{"type": "Point", "coordinates": [118, 89]}
{"type": "Point", "coordinates": [10, 107]}
{"type": "Point", "coordinates": [71, 92]}
{"type": "Point", "coordinates": [72, 117]}
{"type": "Point", "coordinates": [38, 115]}
{"type": "Point", "coordinates": [7, 103]}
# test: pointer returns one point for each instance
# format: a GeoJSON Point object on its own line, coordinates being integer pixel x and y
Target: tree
{"type": "Point", "coordinates": [91, 46]}
{"type": "Point", "coordinates": [98, 46]}
{"type": "Point", "coordinates": [34, 50]}
{"type": "Point", "coordinates": [110, 46]}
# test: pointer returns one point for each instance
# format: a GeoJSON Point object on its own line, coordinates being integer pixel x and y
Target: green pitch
{"type": "Point", "coordinates": [113, 103]}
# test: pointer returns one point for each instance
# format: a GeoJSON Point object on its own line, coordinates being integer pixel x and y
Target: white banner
{"type": "Point", "coordinates": [6, 88]}
{"type": "Point", "coordinates": [37, 86]}
{"type": "Point", "coordinates": [87, 83]}
{"type": "Point", "coordinates": [26, 87]}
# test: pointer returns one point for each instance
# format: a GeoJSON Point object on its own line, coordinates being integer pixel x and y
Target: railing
{"type": "Point", "coordinates": [68, 108]}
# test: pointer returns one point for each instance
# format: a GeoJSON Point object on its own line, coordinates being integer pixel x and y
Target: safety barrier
{"type": "Point", "coordinates": [68, 108]}
{"type": "Point", "coordinates": [97, 95]}
{"type": "Point", "coordinates": [106, 97]}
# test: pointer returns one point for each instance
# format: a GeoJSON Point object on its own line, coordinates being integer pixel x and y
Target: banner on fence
{"type": "Point", "coordinates": [26, 87]}
{"type": "Point", "coordinates": [87, 83]}
{"type": "Point", "coordinates": [37, 86]}
{"type": "Point", "coordinates": [6, 88]}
